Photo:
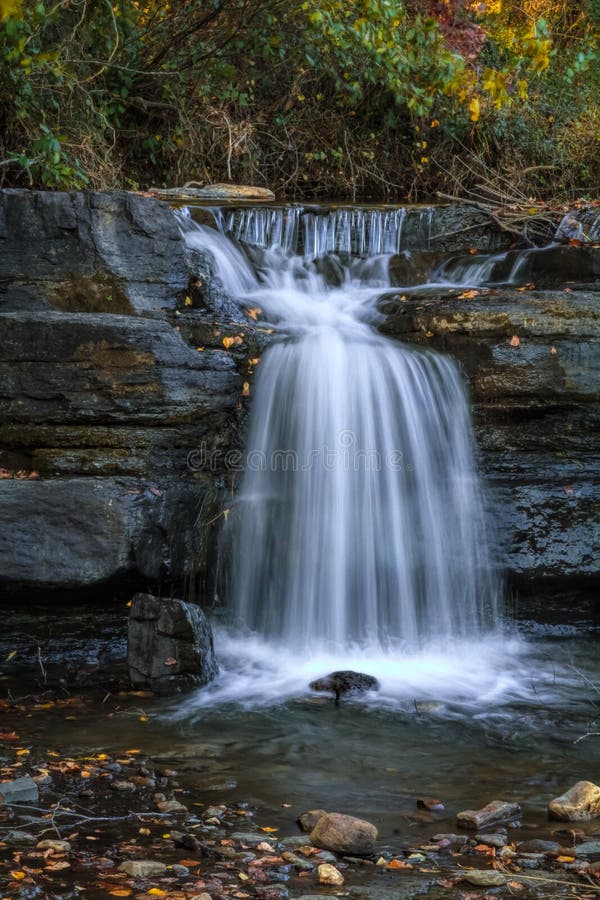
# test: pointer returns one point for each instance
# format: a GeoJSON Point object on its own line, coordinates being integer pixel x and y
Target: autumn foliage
{"type": "Point", "coordinates": [379, 98]}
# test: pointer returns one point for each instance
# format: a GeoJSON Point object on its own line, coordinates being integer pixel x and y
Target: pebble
{"type": "Point", "coordinates": [123, 786]}
{"type": "Point", "coordinates": [57, 846]}
{"type": "Point", "coordinates": [142, 868]}
{"type": "Point", "coordinates": [248, 837]}
{"type": "Point", "coordinates": [303, 864]}
{"type": "Point", "coordinates": [588, 848]}
{"type": "Point", "coordinates": [296, 840]}
{"type": "Point", "coordinates": [171, 806]}
{"type": "Point", "coordinates": [20, 837]}
{"type": "Point", "coordinates": [492, 840]}
{"type": "Point", "coordinates": [484, 877]}
{"type": "Point", "coordinates": [330, 875]}
{"type": "Point", "coordinates": [327, 856]}
{"type": "Point", "coordinates": [537, 846]}
{"type": "Point", "coordinates": [181, 871]}
{"type": "Point", "coordinates": [201, 897]}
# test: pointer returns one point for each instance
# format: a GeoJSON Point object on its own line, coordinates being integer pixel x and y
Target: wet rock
{"type": "Point", "coordinates": [492, 840]}
{"type": "Point", "coordinates": [450, 839]}
{"type": "Point", "coordinates": [97, 252]}
{"type": "Point", "coordinates": [344, 834]}
{"type": "Point", "coordinates": [170, 646]}
{"type": "Point", "coordinates": [589, 849]}
{"type": "Point", "coordinates": [495, 812]}
{"type": "Point", "coordinates": [308, 820]}
{"type": "Point", "coordinates": [20, 790]}
{"type": "Point", "coordinates": [345, 682]}
{"type": "Point", "coordinates": [171, 806]}
{"type": "Point", "coordinates": [142, 868]}
{"type": "Point", "coordinates": [328, 874]}
{"type": "Point", "coordinates": [180, 871]}
{"type": "Point", "coordinates": [251, 838]}
{"type": "Point", "coordinates": [327, 856]}
{"type": "Point", "coordinates": [295, 840]}
{"type": "Point", "coordinates": [56, 845]}
{"type": "Point", "coordinates": [484, 877]}
{"type": "Point", "coordinates": [19, 838]}
{"type": "Point", "coordinates": [201, 897]}
{"type": "Point", "coordinates": [538, 846]}
{"type": "Point", "coordinates": [304, 865]}
{"type": "Point", "coordinates": [579, 804]}
{"type": "Point", "coordinates": [123, 786]}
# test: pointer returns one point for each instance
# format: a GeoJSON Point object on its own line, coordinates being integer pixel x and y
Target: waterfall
{"type": "Point", "coordinates": [359, 523]}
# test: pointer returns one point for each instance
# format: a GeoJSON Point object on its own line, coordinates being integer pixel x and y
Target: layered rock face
{"type": "Point", "coordinates": [533, 364]}
{"type": "Point", "coordinates": [120, 401]}
{"type": "Point", "coordinates": [102, 399]}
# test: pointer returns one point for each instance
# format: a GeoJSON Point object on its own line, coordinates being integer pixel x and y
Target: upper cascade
{"type": "Point", "coordinates": [298, 230]}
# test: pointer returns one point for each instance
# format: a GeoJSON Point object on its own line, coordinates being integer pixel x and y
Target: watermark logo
{"type": "Point", "coordinates": [346, 455]}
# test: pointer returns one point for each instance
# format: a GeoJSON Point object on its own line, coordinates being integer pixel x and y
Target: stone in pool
{"type": "Point", "coordinates": [345, 682]}
{"type": "Point", "coordinates": [580, 804]}
{"type": "Point", "coordinates": [344, 834]}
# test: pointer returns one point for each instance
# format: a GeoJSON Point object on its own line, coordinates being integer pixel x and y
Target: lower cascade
{"type": "Point", "coordinates": [360, 520]}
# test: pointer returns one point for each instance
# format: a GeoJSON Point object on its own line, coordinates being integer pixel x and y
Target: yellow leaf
{"type": "Point", "coordinates": [157, 892]}
{"type": "Point", "coordinates": [242, 876]}
{"type": "Point", "coordinates": [144, 831]}
{"type": "Point", "coordinates": [9, 8]}
{"type": "Point", "coordinates": [120, 892]}
{"type": "Point", "coordinates": [199, 349]}
{"type": "Point", "coordinates": [268, 829]}
{"type": "Point", "coordinates": [22, 752]}
{"type": "Point", "coordinates": [227, 342]}
{"type": "Point", "coordinates": [187, 301]}
{"type": "Point", "coordinates": [132, 752]}
{"type": "Point", "coordinates": [246, 389]}
{"type": "Point", "coordinates": [254, 313]}
{"type": "Point", "coordinates": [474, 109]}
{"type": "Point", "coordinates": [565, 859]}
{"type": "Point", "coordinates": [11, 655]}
{"type": "Point", "coordinates": [17, 876]}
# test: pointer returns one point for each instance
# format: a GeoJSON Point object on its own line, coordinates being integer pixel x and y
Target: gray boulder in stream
{"type": "Point", "coordinates": [170, 645]}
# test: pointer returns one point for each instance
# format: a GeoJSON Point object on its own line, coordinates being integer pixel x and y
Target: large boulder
{"type": "Point", "coordinates": [170, 645]}
{"type": "Point", "coordinates": [579, 804]}
{"type": "Point", "coordinates": [344, 834]}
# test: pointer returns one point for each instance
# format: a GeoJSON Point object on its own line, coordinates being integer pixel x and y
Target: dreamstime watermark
{"type": "Point", "coordinates": [345, 456]}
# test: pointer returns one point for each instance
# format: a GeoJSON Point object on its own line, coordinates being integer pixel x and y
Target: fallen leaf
{"type": "Point", "coordinates": [553, 351]}
{"type": "Point", "coordinates": [17, 875]}
{"type": "Point", "coordinates": [11, 655]}
{"type": "Point", "coordinates": [157, 892]}
{"type": "Point", "coordinates": [268, 829]}
{"type": "Point", "coordinates": [228, 342]}
{"type": "Point", "coordinates": [120, 892]}
{"type": "Point", "coordinates": [398, 864]}
{"type": "Point", "coordinates": [565, 859]}
{"type": "Point", "coordinates": [246, 389]}
{"type": "Point", "coordinates": [515, 341]}
{"type": "Point", "coordinates": [468, 295]}
{"type": "Point", "coordinates": [169, 661]}
{"type": "Point", "coordinates": [57, 866]}
{"type": "Point", "coordinates": [187, 301]}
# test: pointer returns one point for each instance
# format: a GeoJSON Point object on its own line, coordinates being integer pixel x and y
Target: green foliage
{"type": "Point", "coordinates": [372, 98]}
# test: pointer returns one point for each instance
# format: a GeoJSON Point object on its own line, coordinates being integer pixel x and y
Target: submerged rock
{"type": "Point", "coordinates": [345, 682]}
{"type": "Point", "coordinates": [484, 877]}
{"type": "Point", "coordinates": [142, 868]}
{"type": "Point", "coordinates": [493, 813]}
{"type": "Point", "coordinates": [579, 804]}
{"type": "Point", "coordinates": [308, 820]}
{"type": "Point", "coordinates": [344, 834]}
{"type": "Point", "coordinates": [170, 645]}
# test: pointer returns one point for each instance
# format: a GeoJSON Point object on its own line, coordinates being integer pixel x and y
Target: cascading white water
{"type": "Point", "coordinates": [359, 523]}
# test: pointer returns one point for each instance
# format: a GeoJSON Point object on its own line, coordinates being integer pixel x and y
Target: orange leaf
{"type": "Point", "coordinates": [228, 342]}
{"type": "Point", "coordinates": [468, 295]}
{"type": "Point", "coordinates": [398, 864]}
{"type": "Point", "coordinates": [515, 341]}
{"type": "Point", "coordinates": [17, 876]}
{"type": "Point", "coordinates": [565, 859]}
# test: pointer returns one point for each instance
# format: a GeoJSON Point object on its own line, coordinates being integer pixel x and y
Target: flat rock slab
{"type": "Point", "coordinates": [484, 877]}
{"type": "Point", "coordinates": [579, 804]}
{"type": "Point", "coordinates": [217, 191]}
{"type": "Point", "coordinates": [21, 790]}
{"type": "Point", "coordinates": [495, 812]}
{"type": "Point", "coordinates": [142, 868]}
